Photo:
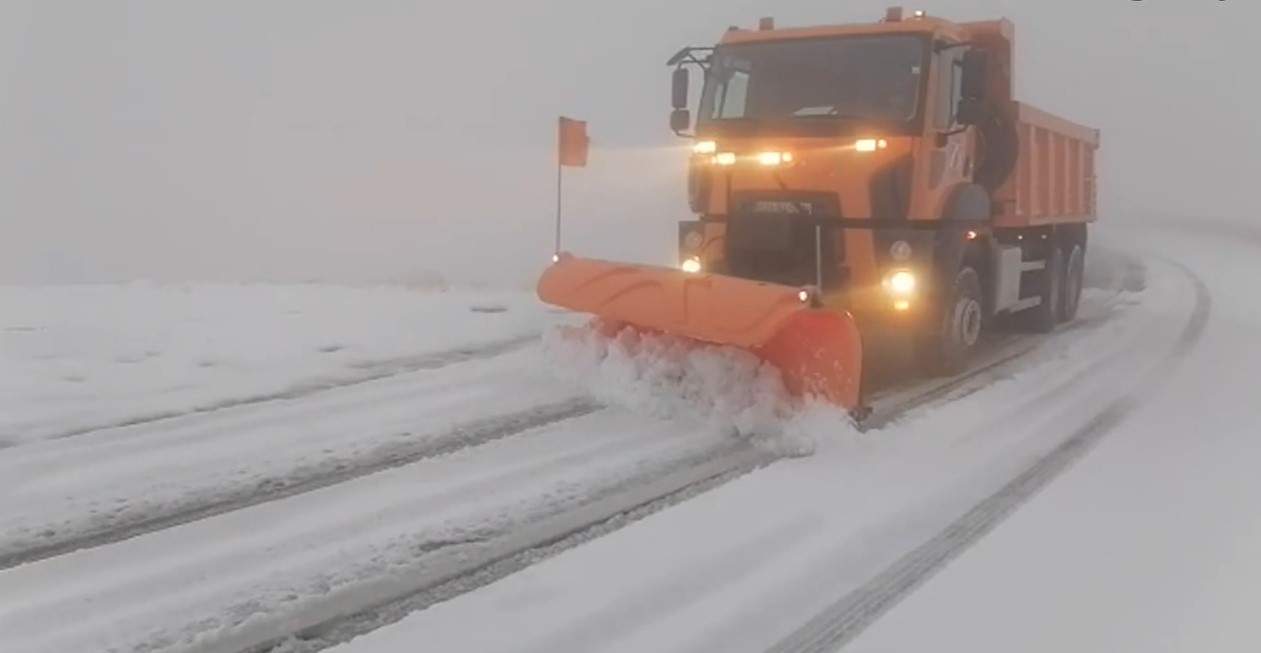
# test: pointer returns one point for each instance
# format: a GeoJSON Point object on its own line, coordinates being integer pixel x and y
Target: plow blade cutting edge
{"type": "Point", "coordinates": [818, 352]}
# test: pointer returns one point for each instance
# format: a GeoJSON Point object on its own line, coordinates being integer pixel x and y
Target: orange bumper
{"type": "Point", "coordinates": [818, 352]}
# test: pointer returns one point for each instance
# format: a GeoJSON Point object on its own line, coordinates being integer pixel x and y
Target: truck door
{"type": "Point", "coordinates": [949, 160]}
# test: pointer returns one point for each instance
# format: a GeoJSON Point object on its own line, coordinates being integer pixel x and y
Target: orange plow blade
{"type": "Point", "coordinates": [818, 352]}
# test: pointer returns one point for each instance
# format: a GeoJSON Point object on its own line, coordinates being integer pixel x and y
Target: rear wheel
{"type": "Point", "coordinates": [1043, 317]}
{"type": "Point", "coordinates": [1074, 274]}
{"type": "Point", "coordinates": [946, 345]}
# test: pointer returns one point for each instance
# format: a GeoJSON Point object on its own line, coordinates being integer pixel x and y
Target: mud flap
{"type": "Point", "coordinates": [818, 352]}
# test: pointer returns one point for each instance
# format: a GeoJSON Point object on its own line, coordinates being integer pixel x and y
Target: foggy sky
{"type": "Point", "coordinates": [376, 140]}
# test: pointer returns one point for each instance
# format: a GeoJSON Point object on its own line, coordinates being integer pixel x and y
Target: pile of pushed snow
{"type": "Point", "coordinates": [676, 378]}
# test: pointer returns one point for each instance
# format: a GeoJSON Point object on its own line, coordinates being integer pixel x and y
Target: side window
{"type": "Point", "coordinates": [731, 99]}
{"type": "Point", "coordinates": [949, 86]}
{"type": "Point", "coordinates": [956, 86]}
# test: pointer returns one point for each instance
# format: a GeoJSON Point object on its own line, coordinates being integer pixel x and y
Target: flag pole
{"type": "Point", "coordinates": [571, 150]}
{"type": "Point", "coordinates": [559, 171]}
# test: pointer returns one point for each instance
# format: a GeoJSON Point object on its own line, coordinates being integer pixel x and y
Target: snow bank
{"type": "Point", "coordinates": [669, 377]}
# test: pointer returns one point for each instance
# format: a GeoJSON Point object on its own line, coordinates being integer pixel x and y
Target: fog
{"type": "Point", "coordinates": [395, 141]}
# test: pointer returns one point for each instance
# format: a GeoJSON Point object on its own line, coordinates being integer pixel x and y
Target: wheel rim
{"type": "Point", "coordinates": [967, 321]}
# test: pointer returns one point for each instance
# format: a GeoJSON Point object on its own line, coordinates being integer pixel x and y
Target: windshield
{"type": "Point", "coordinates": [867, 78]}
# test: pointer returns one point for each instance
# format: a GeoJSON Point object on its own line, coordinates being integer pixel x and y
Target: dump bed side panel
{"type": "Point", "coordinates": [1054, 179]}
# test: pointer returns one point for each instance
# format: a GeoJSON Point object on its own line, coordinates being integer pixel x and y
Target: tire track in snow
{"type": "Point", "coordinates": [465, 566]}
{"type": "Point", "coordinates": [308, 479]}
{"type": "Point", "coordinates": [841, 622]}
{"type": "Point", "coordinates": [367, 371]}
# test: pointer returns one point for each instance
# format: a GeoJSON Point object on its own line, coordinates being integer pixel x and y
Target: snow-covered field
{"type": "Point", "coordinates": [215, 468]}
{"type": "Point", "coordinates": [74, 358]}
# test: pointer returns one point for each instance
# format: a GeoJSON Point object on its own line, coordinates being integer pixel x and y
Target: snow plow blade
{"type": "Point", "coordinates": [818, 352]}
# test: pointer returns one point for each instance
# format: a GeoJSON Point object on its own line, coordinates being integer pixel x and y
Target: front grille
{"type": "Point", "coordinates": [771, 237]}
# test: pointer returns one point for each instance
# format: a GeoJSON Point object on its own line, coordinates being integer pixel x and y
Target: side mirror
{"type": "Point", "coordinates": [680, 120]}
{"type": "Point", "coordinates": [679, 83]}
{"type": "Point", "coordinates": [975, 74]}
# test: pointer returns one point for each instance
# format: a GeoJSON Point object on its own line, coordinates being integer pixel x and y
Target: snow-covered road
{"type": "Point", "coordinates": [620, 505]}
{"type": "Point", "coordinates": [783, 556]}
{"type": "Point", "coordinates": [253, 575]}
{"type": "Point", "coordinates": [1151, 542]}
{"type": "Point", "coordinates": [236, 523]}
{"type": "Point", "coordinates": [62, 493]}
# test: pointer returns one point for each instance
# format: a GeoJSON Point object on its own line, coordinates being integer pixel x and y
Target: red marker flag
{"type": "Point", "coordinates": [573, 142]}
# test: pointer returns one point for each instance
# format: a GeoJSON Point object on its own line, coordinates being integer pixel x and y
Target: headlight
{"type": "Point", "coordinates": [774, 158]}
{"type": "Point", "coordinates": [705, 147]}
{"type": "Point", "coordinates": [901, 282]}
{"type": "Point", "coordinates": [725, 158]}
{"type": "Point", "coordinates": [691, 265]}
{"type": "Point", "coordinates": [870, 144]}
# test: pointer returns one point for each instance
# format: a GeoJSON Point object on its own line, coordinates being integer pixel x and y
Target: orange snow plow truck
{"type": "Point", "coordinates": [855, 180]}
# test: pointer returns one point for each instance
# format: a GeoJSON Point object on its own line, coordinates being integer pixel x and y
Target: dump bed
{"type": "Point", "coordinates": [1054, 177]}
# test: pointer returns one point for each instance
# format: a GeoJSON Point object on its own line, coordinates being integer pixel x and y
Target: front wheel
{"type": "Point", "coordinates": [946, 344]}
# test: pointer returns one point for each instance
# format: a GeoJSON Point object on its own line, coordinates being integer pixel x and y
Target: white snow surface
{"type": "Point", "coordinates": [415, 370]}
{"type": "Point", "coordinates": [228, 581]}
{"type": "Point", "coordinates": [81, 357]}
{"type": "Point", "coordinates": [63, 488]}
{"type": "Point", "coordinates": [1146, 544]}
{"type": "Point", "coordinates": [1151, 542]}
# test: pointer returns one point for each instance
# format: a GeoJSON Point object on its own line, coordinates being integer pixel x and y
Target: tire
{"type": "Point", "coordinates": [1074, 277]}
{"type": "Point", "coordinates": [946, 345]}
{"type": "Point", "coordinates": [1043, 317]}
